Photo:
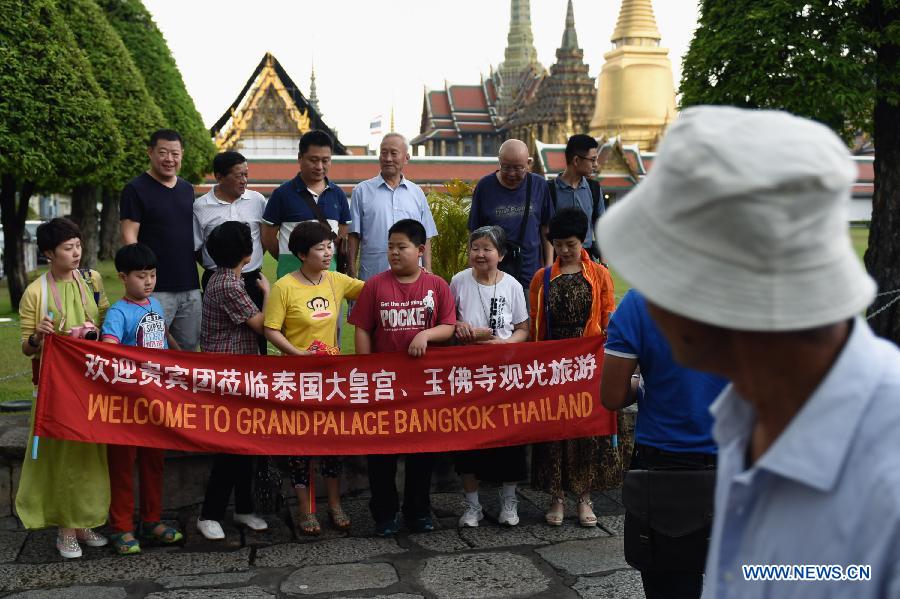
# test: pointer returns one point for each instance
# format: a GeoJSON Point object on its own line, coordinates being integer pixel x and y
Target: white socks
{"type": "Point", "coordinates": [509, 490]}
{"type": "Point", "coordinates": [472, 498]}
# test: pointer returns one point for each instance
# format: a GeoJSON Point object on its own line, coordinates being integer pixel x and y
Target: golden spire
{"type": "Point", "coordinates": [392, 119]}
{"type": "Point", "coordinates": [636, 25]}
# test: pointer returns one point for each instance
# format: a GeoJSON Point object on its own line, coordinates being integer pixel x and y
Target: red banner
{"type": "Point", "coordinates": [452, 399]}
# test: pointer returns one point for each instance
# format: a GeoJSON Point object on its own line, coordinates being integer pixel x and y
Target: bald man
{"type": "Point", "coordinates": [518, 201]}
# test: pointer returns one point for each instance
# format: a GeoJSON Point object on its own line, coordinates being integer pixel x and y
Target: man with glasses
{"type": "Point", "coordinates": [518, 201]}
{"type": "Point", "coordinates": [230, 200]}
{"type": "Point", "coordinates": [575, 188]}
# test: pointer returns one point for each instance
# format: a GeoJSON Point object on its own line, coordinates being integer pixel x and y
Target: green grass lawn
{"type": "Point", "coordinates": [15, 368]}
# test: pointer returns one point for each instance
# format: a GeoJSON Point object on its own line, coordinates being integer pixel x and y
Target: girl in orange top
{"type": "Point", "coordinates": [575, 300]}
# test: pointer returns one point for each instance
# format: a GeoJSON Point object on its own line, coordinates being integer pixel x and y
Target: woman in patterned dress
{"type": "Point", "coordinates": [577, 303]}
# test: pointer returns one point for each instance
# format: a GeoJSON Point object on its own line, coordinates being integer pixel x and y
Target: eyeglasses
{"type": "Point", "coordinates": [509, 168]}
{"type": "Point", "coordinates": [589, 159]}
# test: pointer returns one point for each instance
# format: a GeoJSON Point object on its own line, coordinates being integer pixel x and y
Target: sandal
{"type": "Point", "coordinates": [123, 546]}
{"type": "Point", "coordinates": [588, 520]}
{"type": "Point", "coordinates": [554, 518]}
{"type": "Point", "coordinates": [310, 525]}
{"type": "Point", "coordinates": [339, 518]}
{"type": "Point", "coordinates": [167, 536]}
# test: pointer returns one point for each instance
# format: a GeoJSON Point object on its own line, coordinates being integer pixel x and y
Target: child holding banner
{"type": "Point", "coordinates": [572, 298]}
{"type": "Point", "coordinates": [137, 319]}
{"type": "Point", "coordinates": [302, 317]}
{"type": "Point", "coordinates": [63, 483]}
{"type": "Point", "coordinates": [402, 309]}
{"type": "Point", "coordinates": [230, 324]}
{"type": "Point", "coordinates": [490, 308]}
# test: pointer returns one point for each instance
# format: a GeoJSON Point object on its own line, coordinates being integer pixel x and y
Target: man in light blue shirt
{"type": "Point", "coordinates": [742, 252]}
{"type": "Point", "coordinates": [381, 201]}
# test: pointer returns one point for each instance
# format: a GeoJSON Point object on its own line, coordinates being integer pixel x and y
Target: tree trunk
{"type": "Point", "coordinates": [110, 241]}
{"type": "Point", "coordinates": [85, 215]}
{"type": "Point", "coordinates": [13, 217]}
{"type": "Point", "coordinates": [883, 254]}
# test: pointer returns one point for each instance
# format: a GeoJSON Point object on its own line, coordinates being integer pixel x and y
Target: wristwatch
{"type": "Point", "coordinates": [32, 342]}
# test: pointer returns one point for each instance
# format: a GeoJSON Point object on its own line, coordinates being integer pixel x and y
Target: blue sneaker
{"type": "Point", "coordinates": [423, 524]}
{"type": "Point", "coordinates": [387, 528]}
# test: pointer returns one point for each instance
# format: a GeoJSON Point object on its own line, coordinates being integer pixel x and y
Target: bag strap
{"type": "Point", "coordinates": [596, 194]}
{"type": "Point", "coordinates": [551, 185]}
{"type": "Point", "coordinates": [527, 212]}
{"type": "Point", "coordinates": [547, 301]}
{"type": "Point", "coordinates": [88, 276]}
{"type": "Point", "coordinates": [337, 307]}
{"type": "Point", "coordinates": [314, 207]}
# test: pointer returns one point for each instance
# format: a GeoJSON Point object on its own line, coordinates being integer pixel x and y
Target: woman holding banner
{"type": "Point", "coordinates": [572, 298]}
{"type": "Point", "coordinates": [490, 308]}
{"type": "Point", "coordinates": [301, 318]}
{"type": "Point", "coordinates": [64, 483]}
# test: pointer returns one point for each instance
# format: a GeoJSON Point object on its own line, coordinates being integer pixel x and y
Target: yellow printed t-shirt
{"type": "Point", "coordinates": [307, 313]}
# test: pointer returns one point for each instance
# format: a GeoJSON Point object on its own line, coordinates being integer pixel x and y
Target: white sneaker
{"type": "Point", "coordinates": [251, 521]}
{"type": "Point", "coordinates": [472, 516]}
{"type": "Point", "coordinates": [509, 511]}
{"type": "Point", "coordinates": [210, 529]}
{"type": "Point", "coordinates": [68, 546]}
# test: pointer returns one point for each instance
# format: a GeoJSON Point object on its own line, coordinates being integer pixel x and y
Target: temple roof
{"type": "Point", "coordinates": [458, 109]}
{"type": "Point", "coordinates": [267, 79]}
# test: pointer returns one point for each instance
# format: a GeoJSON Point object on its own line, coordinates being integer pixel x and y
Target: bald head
{"type": "Point", "coordinates": [513, 149]}
{"type": "Point", "coordinates": [514, 163]}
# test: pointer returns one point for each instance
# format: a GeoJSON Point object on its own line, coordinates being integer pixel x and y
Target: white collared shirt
{"type": "Point", "coordinates": [210, 212]}
{"type": "Point", "coordinates": [827, 492]}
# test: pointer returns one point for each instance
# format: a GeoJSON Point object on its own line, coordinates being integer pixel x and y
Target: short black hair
{"type": "Point", "coordinates": [224, 161]}
{"type": "Point", "coordinates": [229, 243]}
{"type": "Point", "coordinates": [568, 222]}
{"type": "Point", "coordinates": [308, 234]}
{"type": "Point", "coordinates": [315, 137]}
{"type": "Point", "coordinates": [135, 256]}
{"type": "Point", "coordinates": [411, 228]}
{"type": "Point", "coordinates": [579, 144]}
{"type": "Point", "coordinates": [54, 232]}
{"type": "Point", "coordinates": [167, 135]}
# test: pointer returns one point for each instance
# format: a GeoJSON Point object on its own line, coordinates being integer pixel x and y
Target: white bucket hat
{"type": "Point", "coordinates": [742, 223]}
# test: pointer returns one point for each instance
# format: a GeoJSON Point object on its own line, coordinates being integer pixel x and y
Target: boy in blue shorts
{"type": "Point", "coordinates": [137, 319]}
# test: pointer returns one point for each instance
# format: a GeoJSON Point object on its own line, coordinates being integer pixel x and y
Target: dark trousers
{"type": "Point", "coordinates": [228, 472]}
{"type": "Point", "coordinates": [255, 294]}
{"type": "Point", "coordinates": [676, 584]}
{"type": "Point", "coordinates": [416, 489]}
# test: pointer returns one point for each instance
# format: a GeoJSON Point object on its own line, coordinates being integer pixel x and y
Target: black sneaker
{"type": "Point", "coordinates": [423, 524]}
{"type": "Point", "coordinates": [387, 528]}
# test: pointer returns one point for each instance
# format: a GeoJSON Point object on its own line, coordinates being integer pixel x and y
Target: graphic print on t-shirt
{"type": "Point", "coordinates": [151, 331]}
{"type": "Point", "coordinates": [319, 308]}
{"type": "Point", "coordinates": [498, 307]}
{"type": "Point", "coordinates": [411, 315]}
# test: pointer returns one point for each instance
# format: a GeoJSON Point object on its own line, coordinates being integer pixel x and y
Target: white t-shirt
{"type": "Point", "coordinates": [499, 307]}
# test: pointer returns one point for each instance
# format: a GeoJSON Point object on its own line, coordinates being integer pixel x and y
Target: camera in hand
{"type": "Point", "coordinates": [87, 331]}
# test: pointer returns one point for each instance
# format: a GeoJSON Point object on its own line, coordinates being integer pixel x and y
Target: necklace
{"type": "Point", "coordinates": [303, 274]}
{"type": "Point", "coordinates": [485, 309]}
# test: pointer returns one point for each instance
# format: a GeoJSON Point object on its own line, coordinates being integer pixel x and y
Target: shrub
{"type": "Point", "coordinates": [451, 216]}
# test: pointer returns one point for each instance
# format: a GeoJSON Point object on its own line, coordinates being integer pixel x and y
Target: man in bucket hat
{"type": "Point", "coordinates": [738, 240]}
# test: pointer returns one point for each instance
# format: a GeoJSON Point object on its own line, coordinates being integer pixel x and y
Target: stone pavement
{"type": "Point", "coordinates": [529, 560]}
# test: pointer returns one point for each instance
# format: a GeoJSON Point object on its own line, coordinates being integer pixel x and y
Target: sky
{"type": "Point", "coordinates": [371, 55]}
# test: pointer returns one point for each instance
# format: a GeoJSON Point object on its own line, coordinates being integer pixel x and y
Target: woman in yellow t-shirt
{"type": "Point", "coordinates": [301, 316]}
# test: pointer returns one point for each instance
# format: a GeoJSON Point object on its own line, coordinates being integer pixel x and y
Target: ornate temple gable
{"type": "Point", "coordinates": [269, 106]}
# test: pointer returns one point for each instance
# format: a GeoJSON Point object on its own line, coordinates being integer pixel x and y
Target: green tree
{"type": "Point", "coordinates": [835, 61]}
{"type": "Point", "coordinates": [136, 114]}
{"type": "Point", "coordinates": [151, 54]}
{"type": "Point", "coordinates": [450, 210]}
{"type": "Point", "coordinates": [56, 126]}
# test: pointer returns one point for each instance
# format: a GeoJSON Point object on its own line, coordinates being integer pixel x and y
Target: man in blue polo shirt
{"type": "Point", "coordinates": [673, 432]}
{"type": "Point", "coordinates": [308, 196]}
{"type": "Point", "coordinates": [575, 187]}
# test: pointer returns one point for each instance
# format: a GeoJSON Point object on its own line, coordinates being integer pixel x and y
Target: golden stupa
{"type": "Point", "coordinates": [636, 91]}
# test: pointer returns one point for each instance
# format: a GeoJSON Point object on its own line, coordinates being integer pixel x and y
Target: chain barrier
{"type": "Point", "coordinates": [14, 375]}
{"type": "Point", "coordinates": [894, 300]}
